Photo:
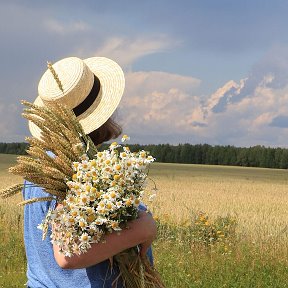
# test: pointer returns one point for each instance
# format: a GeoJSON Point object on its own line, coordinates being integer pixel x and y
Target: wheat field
{"type": "Point", "coordinates": [9, 211]}
{"type": "Point", "coordinates": [257, 198]}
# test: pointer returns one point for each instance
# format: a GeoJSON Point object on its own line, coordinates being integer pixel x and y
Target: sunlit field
{"type": "Point", "coordinates": [250, 248]}
{"type": "Point", "coordinates": [12, 260]}
{"type": "Point", "coordinates": [258, 197]}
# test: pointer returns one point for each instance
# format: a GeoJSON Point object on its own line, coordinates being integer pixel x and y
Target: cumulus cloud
{"type": "Point", "coordinates": [35, 37]}
{"type": "Point", "coordinates": [251, 112]}
{"type": "Point", "coordinates": [158, 103]}
{"type": "Point", "coordinates": [157, 106]}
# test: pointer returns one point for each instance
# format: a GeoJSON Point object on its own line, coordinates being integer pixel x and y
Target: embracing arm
{"type": "Point", "coordinates": [141, 231]}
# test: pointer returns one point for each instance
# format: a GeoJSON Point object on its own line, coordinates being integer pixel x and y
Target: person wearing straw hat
{"type": "Point", "coordinates": [92, 88]}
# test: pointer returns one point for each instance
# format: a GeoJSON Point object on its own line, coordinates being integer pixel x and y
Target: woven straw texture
{"type": "Point", "coordinates": [76, 77]}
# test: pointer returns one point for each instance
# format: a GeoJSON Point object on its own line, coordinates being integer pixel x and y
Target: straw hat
{"type": "Point", "coordinates": [92, 88]}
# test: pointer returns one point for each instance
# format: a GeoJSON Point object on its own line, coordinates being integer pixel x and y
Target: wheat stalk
{"type": "Point", "coordinates": [63, 136]}
{"type": "Point", "coordinates": [10, 191]}
{"type": "Point", "coordinates": [33, 200]}
{"type": "Point", "coordinates": [50, 67]}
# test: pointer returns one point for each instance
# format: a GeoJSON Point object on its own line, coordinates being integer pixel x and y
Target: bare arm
{"type": "Point", "coordinates": [141, 231]}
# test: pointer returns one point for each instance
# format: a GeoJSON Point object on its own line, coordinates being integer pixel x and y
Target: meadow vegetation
{"type": "Point", "coordinates": [218, 226]}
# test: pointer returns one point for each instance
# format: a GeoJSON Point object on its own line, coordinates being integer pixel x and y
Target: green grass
{"type": "Point", "coordinates": [182, 261]}
{"type": "Point", "coordinates": [241, 269]}
{"type": "Point", "coordinates": [13, 259]}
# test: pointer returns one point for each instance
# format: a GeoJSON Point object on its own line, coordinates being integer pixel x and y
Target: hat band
{"type": "Point", "coordinates": [90, 99]}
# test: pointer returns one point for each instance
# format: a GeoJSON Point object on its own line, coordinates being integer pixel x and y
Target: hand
{"type": "Point", "coordinates": [142, 232]}
{"type": "Point", "coordinates": [149, 225]}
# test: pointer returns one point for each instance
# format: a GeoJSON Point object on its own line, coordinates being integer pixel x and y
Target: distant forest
{"type": "Point", "coordinates": [256, 156]}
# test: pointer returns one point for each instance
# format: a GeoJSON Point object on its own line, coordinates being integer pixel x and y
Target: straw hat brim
{"type": "Point", "coordinates": [112, 83]}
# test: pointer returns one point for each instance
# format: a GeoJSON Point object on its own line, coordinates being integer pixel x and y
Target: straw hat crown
{"type": "Point", "coordinates": [93, 87]}
{"type": "Point", "coordinates": [76, 80]}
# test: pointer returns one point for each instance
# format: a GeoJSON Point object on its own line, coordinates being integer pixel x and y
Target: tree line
{"type": "Point", "coordinates": [256, 156]}
{"type": "Point", "coordinates": [13, 148]}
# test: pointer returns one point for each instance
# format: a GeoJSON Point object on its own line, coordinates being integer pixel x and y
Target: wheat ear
{"type": "Point", "coordinates": [33, 200]}
{"type": "Point", "coordinates": [10, 191]}
{"type": "Point", "coordinates": [50, 67]}
{"type": "Point", "coordinates": [64, 137]}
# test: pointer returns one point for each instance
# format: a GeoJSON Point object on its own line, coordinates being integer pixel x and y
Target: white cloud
{"type": "Point", "coordinates": [246, 120]}
{"type": "Point", "coordinates": [126, 50]}
{"type": "Point", "coordinates": [157, 102]}
{"type": "Point", "coordinates": [251, 112]}
{"type": "Point", "coordinates": [168, 107]}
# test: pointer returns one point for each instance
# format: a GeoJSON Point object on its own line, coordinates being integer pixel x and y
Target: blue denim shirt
{"type": "Point", "coordinates": [42, 269]}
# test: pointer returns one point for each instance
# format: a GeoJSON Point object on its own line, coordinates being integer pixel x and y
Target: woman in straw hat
{"type": "Point", "coordinates": [92, 88]}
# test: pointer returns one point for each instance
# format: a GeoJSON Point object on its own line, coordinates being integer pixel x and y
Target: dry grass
{"type": "Point", "coordinates": [10, 214]}
{"type": "Point", "coordinates": [12, 260]}
{"type": "Point", "coordinates": [7, 179]}
{"type": "Point", "coordinates": [257, 197]}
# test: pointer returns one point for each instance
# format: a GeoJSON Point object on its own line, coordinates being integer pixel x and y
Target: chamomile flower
{"type": "Point", "coordinates": [128, 202]}
{"type": "Point", "coordinates": [110, 206]}
{"type": "Point", "coordinates": [71, 199]}
{"type": "Point", "coordinates": [137, 202]}
{"type": "Point", "coordinates": [100, 221]}
{"type": "Point", "coordinates": [119, 204]}
{"type": "Point", "coordinates": [114, 145]}
{"type": "Point", "coordinates": [115, 225]}
{"type": "Point", "coordinates": [117, 167]}
{"type": "Point", "coordinates": [82, 223]}
{"type": "Point", "coordinates": [149, 159]}
{"type": "Point", "coordinates": [84, 199]}
{"type": "Point", "coordinates": [123, 155]}
{"type": "Point", "coordinates": [84, 166]}
{"type": "Point", "coordinates": [113, 195]}
{"type": "Point", "coordinates": [126, 149]}
{"type": "Point", "coordinates": [75, 212]}
{"type": "Point", "coordinates": [101, 194]}
{"type": "Point", "coordinates": [76, 249]}
{"type": "Point", "coordinates": [125, 138]}
{"type": "Point", "coordinates": [84, 238]}
{"type": "Point", "coordinates": [143, 154]}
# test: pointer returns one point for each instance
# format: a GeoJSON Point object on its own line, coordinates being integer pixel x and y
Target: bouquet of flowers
{"type": "Point", "coordinates": [104, 193]}
{"type": "Point", "coordinates": [98, 191]}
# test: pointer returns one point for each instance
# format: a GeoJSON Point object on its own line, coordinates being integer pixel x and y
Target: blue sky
{"type": "Point", "coordinates": [196, 71]}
